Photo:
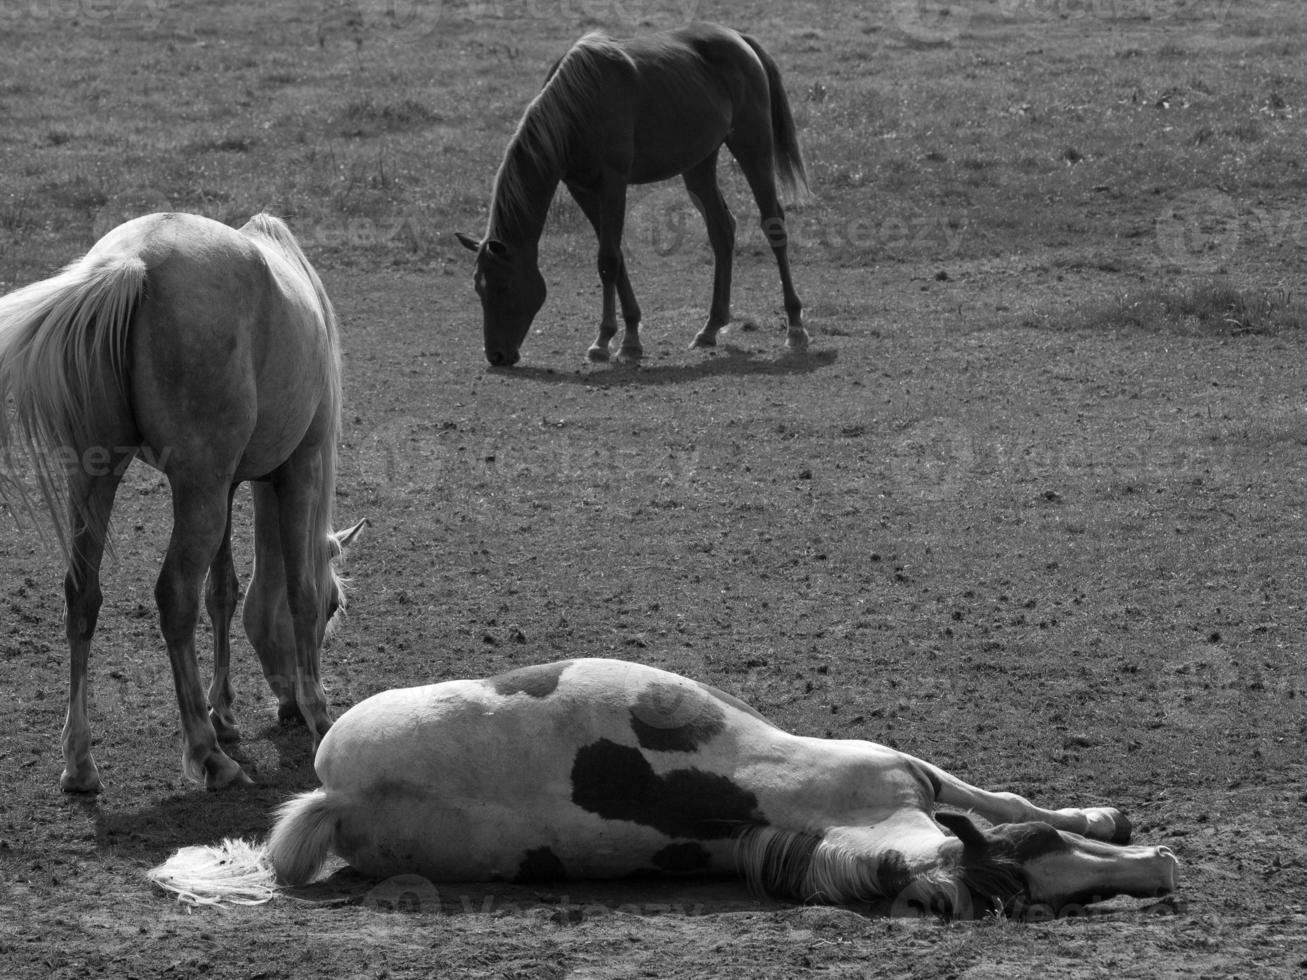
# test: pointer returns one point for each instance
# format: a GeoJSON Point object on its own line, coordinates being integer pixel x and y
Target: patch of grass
{"type": "Point", "coordinates": [369, 117]}
{"type": "Point", "coordinates": [1207, 308]}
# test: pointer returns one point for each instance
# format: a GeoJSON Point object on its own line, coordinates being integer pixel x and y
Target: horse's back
{"type": "Point", "coordinates": [689, 87]}
{"type": "Point", "coordinates": [228, 352]}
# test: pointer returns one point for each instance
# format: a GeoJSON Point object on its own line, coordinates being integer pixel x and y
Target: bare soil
{"type": "Point", "coordinates": [980, 520]}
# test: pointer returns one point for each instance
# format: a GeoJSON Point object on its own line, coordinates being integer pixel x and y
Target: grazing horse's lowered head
{"type": "Point", "coordinates": [512, 291]}
{"type": "Point", "coordinates": [605, 769]}
{"type": "Point", "coordinates": [618, 112]}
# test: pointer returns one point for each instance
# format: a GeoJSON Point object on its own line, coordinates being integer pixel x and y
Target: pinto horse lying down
{"type": "Point", "coordinates": [604, 769]}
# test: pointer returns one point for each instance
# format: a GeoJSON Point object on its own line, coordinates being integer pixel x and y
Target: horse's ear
{"type": "Point", "coordinates": [343, 539]}
{"type": "Point", "coordinates": [966, 831]}
{"type": "Point", "coordinates": [468, 242]}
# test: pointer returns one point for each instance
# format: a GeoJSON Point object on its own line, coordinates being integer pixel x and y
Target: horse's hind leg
{"type": "Point", "coordinates": [220, 598]}
{"type": "Point", "coordinates": [701, 182]}
{"type": "Point", "coordinates": [91, 500]}
{"type": "Point", "coordinates": [199, 522]}
{"type": "Point", "coordinates": [755, 159]}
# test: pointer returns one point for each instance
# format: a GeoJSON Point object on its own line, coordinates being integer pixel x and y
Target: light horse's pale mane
{"type": "Point", "coordinates": [274, 232]}
{"type": "Point", "coordinates": [805, 867]}
{"type": "Point", "coordinates": [567, 99]}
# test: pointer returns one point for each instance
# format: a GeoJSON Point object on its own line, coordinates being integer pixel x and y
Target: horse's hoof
{"type": "Point", "coordinates": [227, 778]}
{"type": "Point", "coordinates": [703, 340]}
{"type": "Point", "coordinates": [631, 353]}
{"type": "Point", "coordinates": [1110, 824]}
{"type": "Point", "coordinates": [796, 338]}
{"type": "Point", "coordinates": [597, 354]}
{"type": "Point", "coordinates": [86, 782]}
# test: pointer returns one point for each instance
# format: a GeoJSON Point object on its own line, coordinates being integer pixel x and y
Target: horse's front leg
{"type": "Point", "coordinates": [1103, 823]}
{"type": "Point", "coordinates": [304, 559]}
{"type": "Point", "coordinates": [611, 217]}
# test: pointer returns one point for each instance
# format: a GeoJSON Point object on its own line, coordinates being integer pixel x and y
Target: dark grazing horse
{"type": "Point", "coordinates": [614, 113]}
{"type": "Point", "coordinates": [211, 354]}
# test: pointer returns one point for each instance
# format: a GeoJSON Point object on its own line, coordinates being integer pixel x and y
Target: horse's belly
{"type": "Point", "coordinates": [536, 840]}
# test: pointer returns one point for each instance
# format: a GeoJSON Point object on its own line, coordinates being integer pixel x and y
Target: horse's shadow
{"type": "Point", "coordinates": [560, 902]}
{"type": "Point", "coordinates": [726, 360]}
{"type": "Point", "coordinates": [193, 816]}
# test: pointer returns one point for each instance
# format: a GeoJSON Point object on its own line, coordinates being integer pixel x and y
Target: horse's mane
{"type": "Point", "coordinates": [806, 867]}
{"type": "Point", "coordinates": [544, 132]}
{"type": "Point", "coordinates": [274, 232]}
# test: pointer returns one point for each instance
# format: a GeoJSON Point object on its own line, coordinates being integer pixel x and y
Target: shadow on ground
{"type": "Point", "coordinates": [727, 360]}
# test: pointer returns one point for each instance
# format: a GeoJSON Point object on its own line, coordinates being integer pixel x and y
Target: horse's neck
{"type": "Point", "coordinates": [523, 192]}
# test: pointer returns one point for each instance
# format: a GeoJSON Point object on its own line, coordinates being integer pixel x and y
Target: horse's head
{"type": "Point", "coordinates": [332, 586]}
{"type": "Point", "coordinates": [267, 616]}
{"type": "Point", "coordinates": [1025, 867]}
{"type": "Point", "coordinates": [512, 290]}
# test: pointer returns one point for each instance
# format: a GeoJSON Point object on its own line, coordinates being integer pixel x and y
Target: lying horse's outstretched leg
{"type": "Point", "coordinates": [1103, 823]}
{"type": "Point", "coordinates": [199, 523]}
{"type": "Point", "coordinates": [90, 501]}
{"type": "Point", "coordinates": [220, 597]}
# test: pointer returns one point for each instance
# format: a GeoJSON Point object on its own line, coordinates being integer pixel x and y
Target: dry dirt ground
{"type": "Point", "coordinates": [1016, 511]}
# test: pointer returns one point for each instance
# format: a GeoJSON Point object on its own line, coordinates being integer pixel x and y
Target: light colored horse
{"type": "Point", "coordinates": [603, 769]}
{"type": "Point", "coordinates": [211, 354]}
{"type": "Point", "coordinates": [614, 113]}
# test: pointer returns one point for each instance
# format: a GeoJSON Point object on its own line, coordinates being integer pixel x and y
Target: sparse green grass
{"type": "Point", "coordinates": [1213, 308]}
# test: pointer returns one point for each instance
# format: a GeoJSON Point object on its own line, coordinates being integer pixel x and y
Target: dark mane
{"type": "Point", "coordinates": [569, 97]}
{"type": "Point", "coordinates": [996, 884]}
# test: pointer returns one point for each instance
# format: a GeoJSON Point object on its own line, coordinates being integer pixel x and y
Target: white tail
{"type": "Point", "coordinates": [235, 871]}
{"type": "Point", "coordinates": [63, 345]}
{"type": "Point", "coordinates": [243, 873]}
{"type": "Point", "coordinates": [302, 836]}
